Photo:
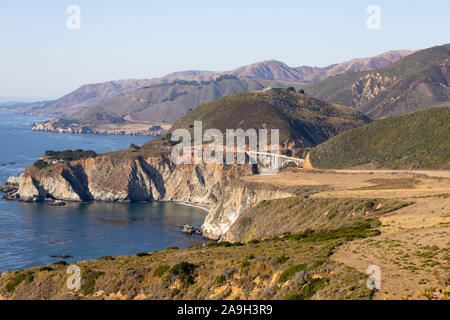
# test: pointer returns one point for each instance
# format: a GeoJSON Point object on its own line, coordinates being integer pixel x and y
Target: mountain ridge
{"type": "Point", "coordinates": [90, 95]}
{"type": "Point", "coordinates": [413, 83]}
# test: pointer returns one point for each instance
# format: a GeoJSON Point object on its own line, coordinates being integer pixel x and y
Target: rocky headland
{"type": "Point", "coordinates": [126, 128]}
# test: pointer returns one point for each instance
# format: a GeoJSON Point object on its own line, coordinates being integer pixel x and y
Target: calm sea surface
{"type": "Point", "coordinates": [30, 233]}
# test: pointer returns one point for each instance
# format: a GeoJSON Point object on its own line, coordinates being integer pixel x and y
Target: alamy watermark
{"type": "Point", "coordinates": [374, 20]}
{"type": "Point", "coordinates": [74, 20]}
{"type": "Point", "coordinates": [74, 280]}
{"type": "Point", "coordinates": [237, 147]}
{"type": "Point", "coordinates": [374, 279]}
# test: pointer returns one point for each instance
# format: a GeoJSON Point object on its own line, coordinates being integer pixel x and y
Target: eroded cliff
{"type": "Point", "coordinates": [155, 178]}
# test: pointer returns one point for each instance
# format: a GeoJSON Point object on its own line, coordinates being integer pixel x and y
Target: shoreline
{"type": "Point", "coordinates": [207, 209]}
{"type": "Point", "coordinates": [98, 133]}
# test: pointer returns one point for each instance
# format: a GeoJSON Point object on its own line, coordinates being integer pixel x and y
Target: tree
{"type": "Point", "coordinates": [133, 147]}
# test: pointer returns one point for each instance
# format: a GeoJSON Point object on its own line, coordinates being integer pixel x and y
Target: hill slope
{"type": "Point", "coordinates": [85, 96]}
{"type": "Point", "coordinates": [167, 102]}
{"type": "Point", "coordinates": [418, 140]}
{"type": "Point", "coordinates": [415, 82]}
{"type": "Point", "coordinates": [303, 121]}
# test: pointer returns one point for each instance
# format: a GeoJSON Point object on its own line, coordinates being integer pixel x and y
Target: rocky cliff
{"type": "Point", "coordinates": [124, 128]}
{"type": "Point", "coordinates": [107, 178]}
{"type": "Point", "coordinates": [237, 198]}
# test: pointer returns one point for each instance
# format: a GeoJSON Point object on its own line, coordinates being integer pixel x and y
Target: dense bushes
{"type": "Point", "coordinates": [67, 155]}
{"type": "Point", "coordinates": [133, 147]}
{"type": "Point", "coordinates": [184, 270]}
{"type": "Point", "coordinates": [70, 155]}
{"type": "Point", "coordinates": [40, 164]}
{"type": "Point", "coordinates": [18, 279]}
{"type": "Point", "coordinates": [417, 140]}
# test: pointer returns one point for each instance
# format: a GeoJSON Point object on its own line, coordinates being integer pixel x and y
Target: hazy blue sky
{"type": "Point", "coordinates": [41, 58]}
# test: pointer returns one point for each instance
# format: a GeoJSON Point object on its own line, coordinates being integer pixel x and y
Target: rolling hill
{"type": "Point", "coordinates": [303, 121]}
{"type": "Point", "coordinates": [413, 141]}
{"type": "Point", "coordinates": [416, 82]}
{"type": "Point", "coordinates": [166, 102]}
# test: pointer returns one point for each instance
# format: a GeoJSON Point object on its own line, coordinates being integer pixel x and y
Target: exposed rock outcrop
{"type": "Point", "coordinates": [236, 200]}
{"type": "Point", "coordinates": [106, 178]}
{"type": "Point", "coordinates": [125, 128]}
{"type": "Point", "coordinates": [125, 180]}
{"type": "Point", "coordinates": [10, 188]}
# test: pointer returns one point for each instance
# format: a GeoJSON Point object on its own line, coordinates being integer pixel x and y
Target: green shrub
{"type": "Point", "coordinates": [89, 278]}
{"type": "Point", "coordinates": [282, 259]}
{"type": "Point", "coordinates": [45, 269]}
{"type": "Point", "coordinates": [220, 279]}
{"type": "Point", "coordinates": [133, 147]}
{"type": "Point", "coordinates": [312, 287]}
{"type": "Point", "coordinates": [218, 244]}
{"type": "Point", "coordinates": [142, 254]}
{"type": "Point", "coordinates": [290, 271]}
{"type": "Point", "coordinates": [50, 153]}
{"type": "Point", "coordinates": [69, 155]}
{"type": "Point", "coordinates": [107, 258]}
{"type": "Point", "coordinates": [159, 272]}
{"type": "Point", "coordinates": [254, 241]}
{"type": "Point", "coordinates": [60, 263]}
{"type": "Point", "coordinates": [40, 164]}
{"type": "Point", "coordinates": [18, 279]}
{"type": "Point", "coordinates": [184, 270]}
{"type": "Point", "coordinates": [175, 292]}
{"type": "Point", "coordinates": [245, 264]}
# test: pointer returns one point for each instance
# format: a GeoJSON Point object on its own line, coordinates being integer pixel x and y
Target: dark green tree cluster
{"type": "Point", "coordinates": [133, 147]}
{"type": "Point", "coordinates": [70, 155]}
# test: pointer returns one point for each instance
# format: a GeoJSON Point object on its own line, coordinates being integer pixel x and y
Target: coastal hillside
{"type": "Point", "coordinates": [166, 102]}
{"type": "Point", "coordinates": [302, 270]}
{"type": "Point", "coordinates": [418, 140]}
{"type": "Point", "coordinates": [149, 108]}
{"type": "Point", "coordinates": [85, 96]}
{"type": "Point", "coordinates": [414, 83]}
{"type": "Point", "coordinates": [147, 172]}
{"type": "Point", "coordinates": [303, 121]}
{"type": "Point", "coordinates": [295, 236]}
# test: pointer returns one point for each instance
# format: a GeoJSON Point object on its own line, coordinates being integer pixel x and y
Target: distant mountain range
{"type": "Point", "coordinates": [125, 98]}
{"type": "Point", "coordinates": [276, 70]}
{"type": "Point", "coordinates": [390, 84]}
{"type": "Point", "coordinates": [415, 82]}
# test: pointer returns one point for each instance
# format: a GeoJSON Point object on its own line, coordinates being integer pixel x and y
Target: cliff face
{"type": "Point", "coordinates": [235, 201]}
{"type": "Point", "coordinates": [154, 178]}
{"type": "Point", "coordinates": [123, 180]}
{"type": "Point", "coordinates": [123, 128]}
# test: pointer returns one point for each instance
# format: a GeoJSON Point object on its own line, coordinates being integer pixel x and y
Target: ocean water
{"type": "Point", "coordinates": [31, 233]}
